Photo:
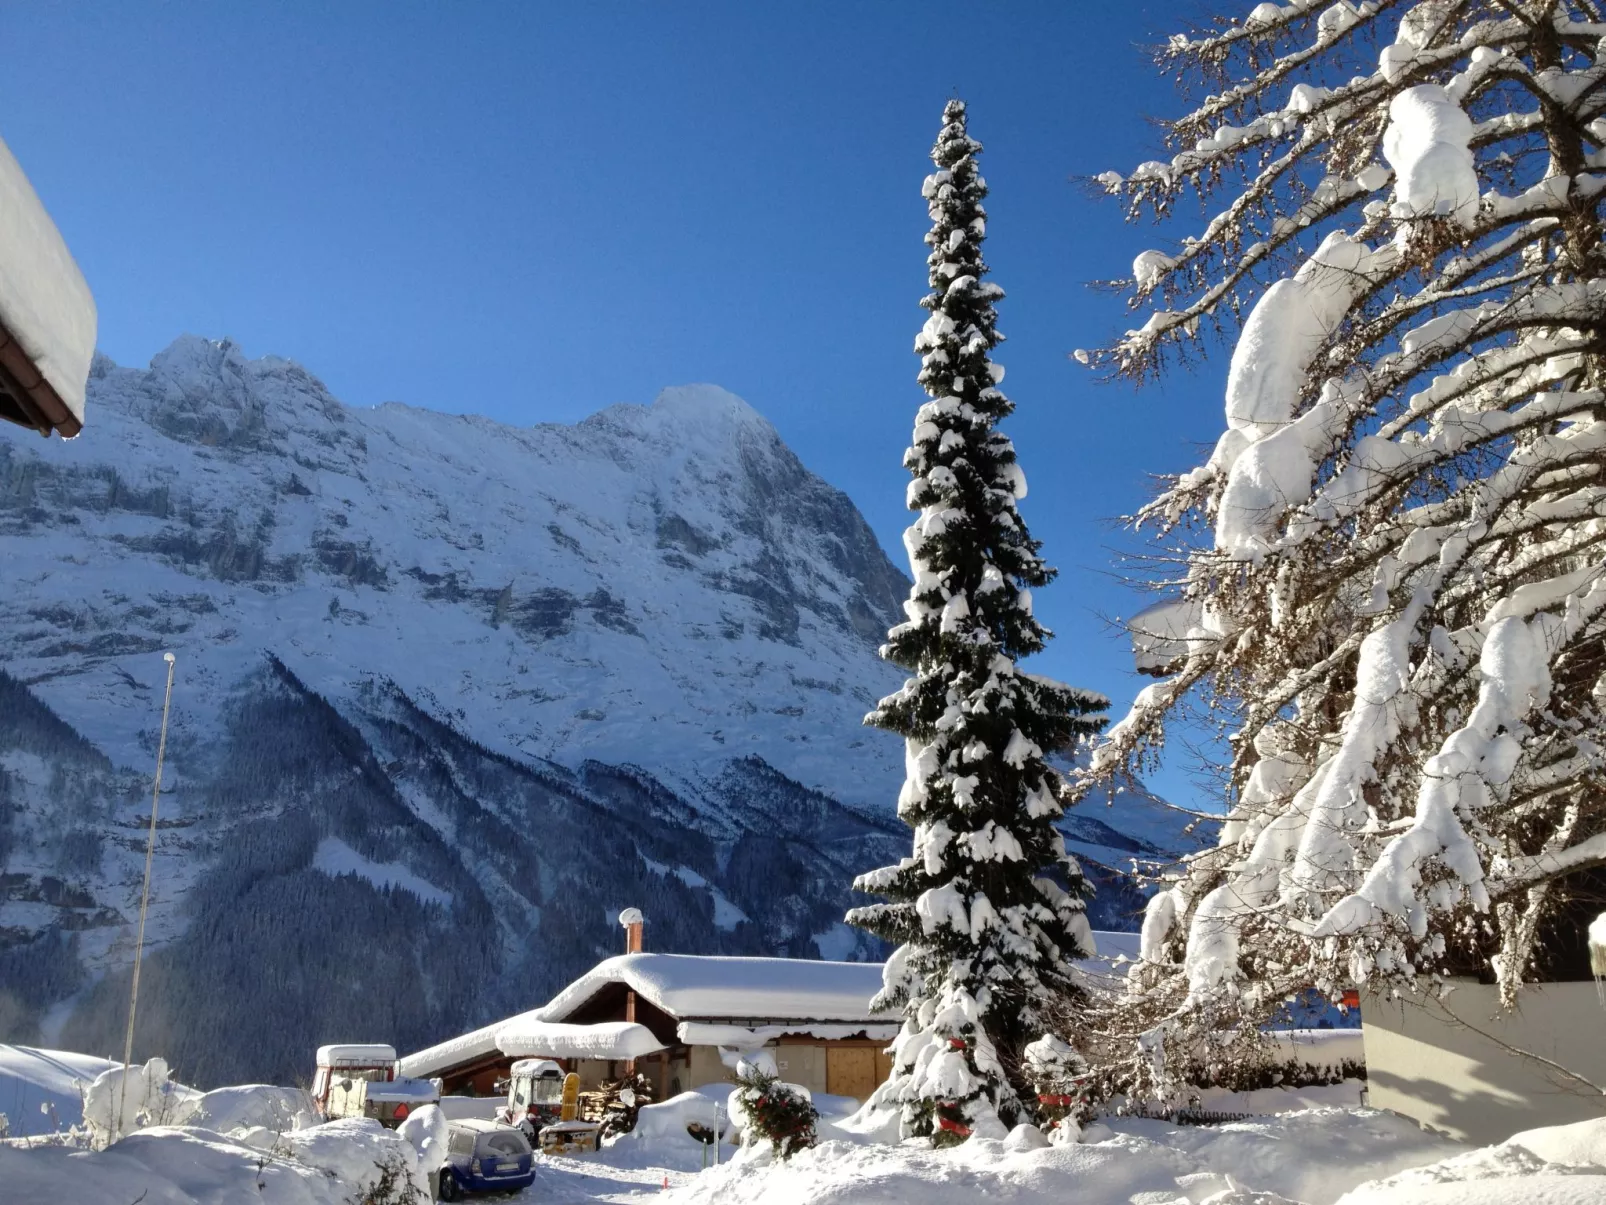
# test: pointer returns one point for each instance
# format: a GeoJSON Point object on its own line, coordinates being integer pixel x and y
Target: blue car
{"type": "Point", "coordinates": [485, 1156]}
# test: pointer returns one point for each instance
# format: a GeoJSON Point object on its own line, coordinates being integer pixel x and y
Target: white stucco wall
{"type": "Point", "coordinates": [1426, 1058]}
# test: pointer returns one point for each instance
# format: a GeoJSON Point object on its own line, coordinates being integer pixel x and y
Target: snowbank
{"type": "Point", "coordinates": [250, 1105]}
{"type": "Point", "coordinates": [172, 1165]}
{"type": "Point", "coordinates": [43, 1090]}
{"type": "Point", "coordinates": [660, 1139]}
{"type": "Point", "coordinates": [354, 1150]}
{"type": "Point", "coordinates": [1556, 1165]}
{"type": "Point", "coordinates": [1582, 1143]}
{"type": "Point", "coordinates": [427, 1130]}
{"type": "Point", "coordinates": [44, 301]}
{"type": "Point", "coordinates": [668, 1119]}
{"type": "Point", "coordinates": [1311, 1157]}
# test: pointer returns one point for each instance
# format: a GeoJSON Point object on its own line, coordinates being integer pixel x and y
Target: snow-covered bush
{"type": "Point", "coordinates": [1059, 1074]}
{"type": "Point", "coordinates": [768, 1110]}
{"type": "Point", "coordinates": [381, 1165]}
{"type": "Point", "coordinates": [428, 1132]}
{"type": "Point", "coordinates": [1394, 595]}
{"type": "Point", "coordinates": [150, 1097]}
{"type": "Point", "coordinates": [983, 931]}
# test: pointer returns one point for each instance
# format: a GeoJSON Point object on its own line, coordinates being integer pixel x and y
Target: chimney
{"type": "Point", "coordinates": [633, 923]}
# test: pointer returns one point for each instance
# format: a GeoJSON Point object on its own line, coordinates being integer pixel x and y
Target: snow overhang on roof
{"type": "Point", "coordinates": [535, 1067]}
{"type": "Point", "coordinates": [355, 1054]}
{"type": "Point", "coordinates": [460, 1051]}
{"type": "Point", "coordinates": [1162, 635]}
{"type": "Point", "coordinates": [755, 1037]}
{"type": "Point", "coordinates": [555, 1040]}
{"type": "Point", "coordinates": [47, 314]}
{"type": "Point", "coordinates": [749, 990]}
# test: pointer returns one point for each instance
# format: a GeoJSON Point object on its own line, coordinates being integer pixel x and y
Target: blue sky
{"type": "Point", "coordinates": [532, 211]}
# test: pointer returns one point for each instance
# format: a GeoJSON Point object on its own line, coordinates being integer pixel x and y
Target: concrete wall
{"type": "Point", "coordinates": [1423, 1058]}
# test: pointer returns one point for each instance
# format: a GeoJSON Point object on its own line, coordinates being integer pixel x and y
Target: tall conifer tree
{"type": "Point", "coordinates": [984, 934]}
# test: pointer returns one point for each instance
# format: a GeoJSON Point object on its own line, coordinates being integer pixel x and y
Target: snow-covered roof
{"type": "Point", "coordinates": [606, 1040]}
{"type": "Point", "coordinates": [465, 1048]}
{"type": "Point", "coordinates": [1160, 634]}
{"type": "Point", "coordinates": [718, 1000]}
{"type": "Point", "coordinates": [535, 1067]}
{"type": "Point", "coordinates": [359, 1054]}
{"type": "Point", "coordinates": [45, 305]}
{"type": "Point", "coordinates": [1113, 956]}
{"type": "Point", "coordinates": [404, 1089]}
{"type": "Point", "coordinates": [697, 986]}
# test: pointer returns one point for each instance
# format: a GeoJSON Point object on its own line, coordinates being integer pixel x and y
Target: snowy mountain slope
{"type": "Point", "coordinates": [649, 579]}
{"type": "Point", "coordinates": [450, 695]}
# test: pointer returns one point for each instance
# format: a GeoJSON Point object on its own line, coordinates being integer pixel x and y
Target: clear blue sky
{"type": "Point", "coordinates": [534, 210]}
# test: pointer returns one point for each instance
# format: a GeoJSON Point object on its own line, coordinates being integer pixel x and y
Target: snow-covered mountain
{"type": "Point", "coordinates": [450, 694]}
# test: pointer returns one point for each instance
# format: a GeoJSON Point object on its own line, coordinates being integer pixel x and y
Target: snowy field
{"type": "Point", "coordinates": [246, 1144]}
{"type": "Point", "coordinates": [1314, 1157]}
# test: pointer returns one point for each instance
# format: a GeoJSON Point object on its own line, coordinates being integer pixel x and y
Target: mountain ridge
{"type": "Point", "coordinates": [450, 695]}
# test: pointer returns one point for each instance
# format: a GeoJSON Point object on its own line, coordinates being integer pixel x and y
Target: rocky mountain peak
{"type": "Point", "coordinates": [645, 579]}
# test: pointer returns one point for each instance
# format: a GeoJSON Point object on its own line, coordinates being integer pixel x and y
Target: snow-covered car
{"type": "Point", "coordinates": [485, 1156]}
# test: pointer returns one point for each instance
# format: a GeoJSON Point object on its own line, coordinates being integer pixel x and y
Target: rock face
{"type": "Point", "coordinates": [450, 695]}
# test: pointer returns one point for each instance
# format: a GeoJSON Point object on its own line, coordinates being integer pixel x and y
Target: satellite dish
{"type": "Point", "coordinates": [631, 916]}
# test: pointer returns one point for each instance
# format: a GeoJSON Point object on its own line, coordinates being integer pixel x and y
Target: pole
{"type": "Point", "coordinates": [144, 902]}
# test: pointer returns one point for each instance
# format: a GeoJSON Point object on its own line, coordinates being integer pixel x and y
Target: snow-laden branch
{"type": "Point", "coordinates": [1393, 594]}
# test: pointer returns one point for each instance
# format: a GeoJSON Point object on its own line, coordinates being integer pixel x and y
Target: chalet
{"type": "Point", "coordinates": [47, 314]}
{"type": "Point", "coordinates": [684, 1019]}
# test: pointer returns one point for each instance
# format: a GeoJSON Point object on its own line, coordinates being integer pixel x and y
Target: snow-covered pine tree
{"type": "Point", "coordinates": [1395, 604]}
{"type": "Point", "coordinates": [983, 933]}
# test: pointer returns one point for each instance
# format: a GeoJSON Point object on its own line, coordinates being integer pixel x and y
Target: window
{"type": "Point", "coordinates": [461, 1142]}
{"type": "Point", "coordinates": [505, 1142]}
{"type": "Point", "coordinates": [549, 1091]}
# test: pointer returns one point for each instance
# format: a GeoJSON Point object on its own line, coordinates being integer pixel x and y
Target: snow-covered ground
{"type": "Point", "coordinates": [1315, 1157]}
{"type": "Point", "coordinates": [1321, 1156]}
{"type": "Point", "coordinates": [42, 1090]}
{"type": "Point", "coordinates": [256, 1143]}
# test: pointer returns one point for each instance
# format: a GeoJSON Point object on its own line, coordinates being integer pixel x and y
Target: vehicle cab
{"type": "Point", "coordinates": [534, 1095]}
{"type": "Point", "coordinates": [359, 1080]}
